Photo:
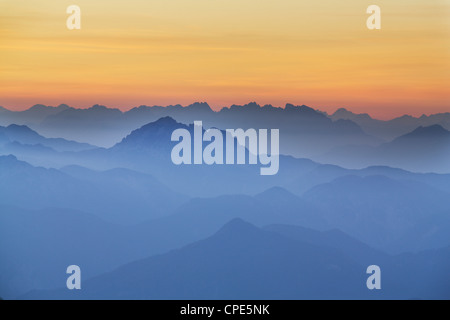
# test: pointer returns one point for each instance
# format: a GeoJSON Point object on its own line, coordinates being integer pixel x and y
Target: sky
{"type": "Point", "coordinates": [162, 52]}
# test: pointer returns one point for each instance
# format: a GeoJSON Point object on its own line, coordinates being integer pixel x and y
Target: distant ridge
{"type": "Point", "coordinates": [427, 136]}
{"type": "Point", "coordinates": [22, 135]}
{"type": "Point", "coordinates": [395, 127]}
{"type": "Point", "coordinates": [340, 113]}
{"type": "Point", "coordinates": [343, 138]}
{"type": "Point", "coordinates": [343, 113]}
{"type": "Point", "coordinates": [431, 131]}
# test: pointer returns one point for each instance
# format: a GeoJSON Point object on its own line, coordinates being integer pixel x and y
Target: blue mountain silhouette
{"type": "Point", "coordinates": [241, 261]}
{"type": "Point", "coordinates": [303, 127]}
{"type": "Point", "coordinates": [425, 149]}
{"type": "Point", "coordinates": [393, 128]}
{"type": "Point", "coordinates": [395, 215]}
{"type": "Point", "coordinates": [311, 230]}
{"type": "Point", "coordinates": [120, 195]}
{"type": "Point", "coordinates": [238, 262]}
{"type": "Point", "coordinates": [25, 136]}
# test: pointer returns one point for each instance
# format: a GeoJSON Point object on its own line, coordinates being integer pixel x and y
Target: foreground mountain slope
{"type": "Point", "coordinates": [238, 262]}
{"type": "Point", "coordinates": [241, 261]}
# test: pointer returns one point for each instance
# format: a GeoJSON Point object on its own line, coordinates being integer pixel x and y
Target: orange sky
{"type": "Point", "coordinates": [224, 52]}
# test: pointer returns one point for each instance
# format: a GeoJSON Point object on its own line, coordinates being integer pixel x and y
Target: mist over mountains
{"type": "Point", "coordinates": [343, 138]}
{"type": "Point", "coordinates": [241, 261]}
{"type": "Point", "coordinates": [393, 128]}
{"type": "Point", "coordinates": [50, 121]}
{"type": "Point", "coordinates": [96, 187]}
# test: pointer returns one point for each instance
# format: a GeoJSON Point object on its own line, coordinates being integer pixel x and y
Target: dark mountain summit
{"type": "Point", "coordinates": [432, 132]}
{"type": "Point", "coordinates": [155, 134]}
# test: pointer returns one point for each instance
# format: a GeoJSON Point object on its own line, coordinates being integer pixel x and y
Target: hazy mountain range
{"type": "Point", "coordinates": [104, 219]}
{"type": "Point", "coordinates": [141, 227]}
{"type": "Point", "coordinates": [425, 149]}
{"type": "Point", "coordinates": [241, 261]}
{"type": "Point", "coordinates": [391, 129]}
{"type": "Point", "coordinates": [343, 138]}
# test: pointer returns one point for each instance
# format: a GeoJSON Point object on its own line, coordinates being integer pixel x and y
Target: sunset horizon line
{"type": "Point", "coordinates": [217, 109]}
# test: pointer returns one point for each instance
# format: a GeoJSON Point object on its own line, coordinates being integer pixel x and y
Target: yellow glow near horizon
{"type": "Point", "coordinates": [224, 52]}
